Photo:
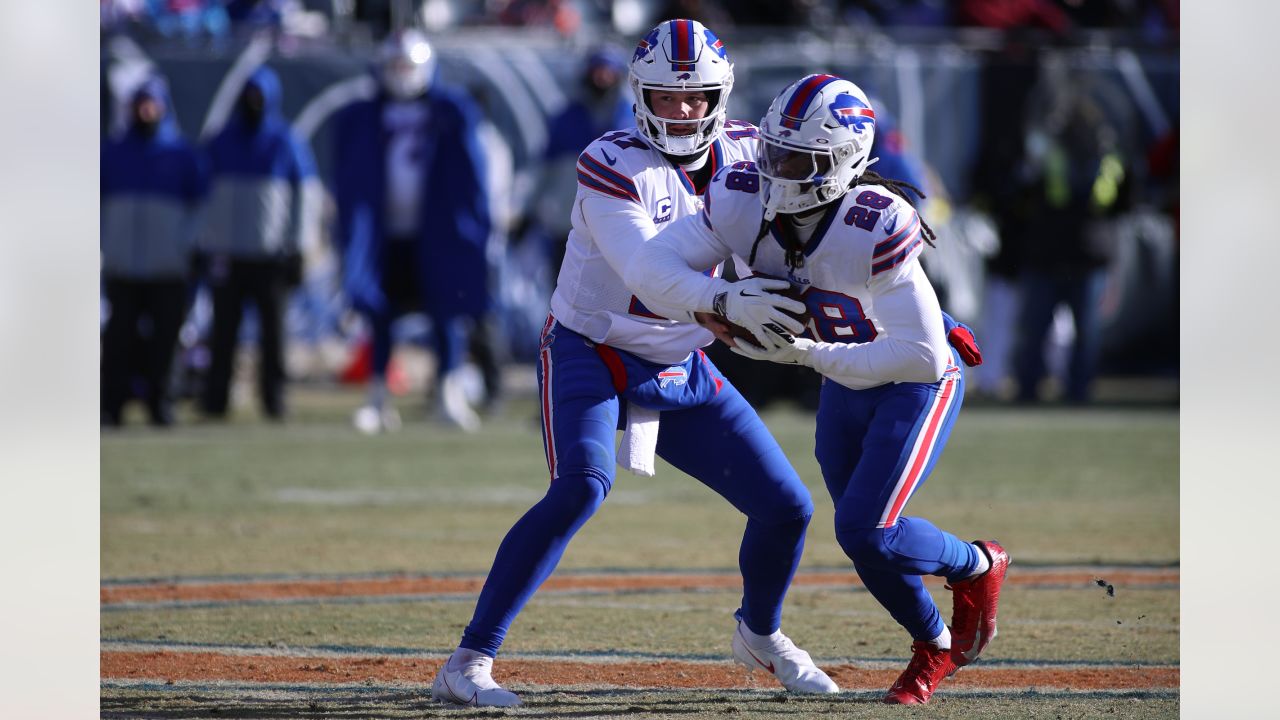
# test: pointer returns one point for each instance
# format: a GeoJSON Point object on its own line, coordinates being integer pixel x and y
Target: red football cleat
{"type": "Point", "coordinates": [929, 665]}
{"type": "Point", "coordinates": [973, 613]}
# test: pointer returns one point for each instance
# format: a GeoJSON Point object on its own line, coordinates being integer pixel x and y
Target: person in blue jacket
{"type": "Point", "coordinates": [896, 162]}
{"type": "Point", "coordinates": [603, 102]}
{"type": "Point", "coordinates": [264, 200]}
{"type": "Point", "coordinates": [152, 183]}
{"type": "Point", "coordinates": [413, 220]}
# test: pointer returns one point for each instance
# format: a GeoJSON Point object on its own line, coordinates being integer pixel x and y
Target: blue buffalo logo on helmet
{"type": "Point", "coordinates": [646, 45]}
{"type": "Point", "coordinates": [851, 112]}
{"type": "Point", "coordinates": [716, 44]}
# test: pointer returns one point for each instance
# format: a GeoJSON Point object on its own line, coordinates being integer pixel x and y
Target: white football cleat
{"type": "Point", "coordinates": [371, 421]}
{"type": "Point", "coordinates": [455, 409]}
{"type": "Point", "coordinates": [472, 684]}
{"type": "Point", "coordinates": [779, 656]}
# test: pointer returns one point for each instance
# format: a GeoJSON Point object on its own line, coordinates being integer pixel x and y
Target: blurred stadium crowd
{"type": "Point", "coordinates": [1044, 132]}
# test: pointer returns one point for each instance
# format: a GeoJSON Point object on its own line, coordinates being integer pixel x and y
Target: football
{"type": "Point", "coordinates": [737, 332]}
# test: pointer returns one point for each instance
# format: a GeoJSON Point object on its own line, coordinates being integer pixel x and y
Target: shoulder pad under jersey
{"type": "Point", "coordinates": [888, 223]}
{"type": "Point", "coordinates": [731, 205]}
{"type": "Point", "coordinates": [610, 164]}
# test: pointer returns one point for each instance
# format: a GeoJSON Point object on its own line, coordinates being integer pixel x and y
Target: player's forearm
{"type": "Point", "coordinates": [882, 361]}
{"type": "Point", "coordinates": [658, 273]}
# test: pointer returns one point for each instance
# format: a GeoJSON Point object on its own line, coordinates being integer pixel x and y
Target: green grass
{"type": "Point", "coordinates": [312, 496]}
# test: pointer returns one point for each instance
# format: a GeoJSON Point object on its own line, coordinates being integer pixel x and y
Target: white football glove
{"type": "Point", "coordinates": [750, 303]}
{"type": "Point", "coordinates": [785, 350]}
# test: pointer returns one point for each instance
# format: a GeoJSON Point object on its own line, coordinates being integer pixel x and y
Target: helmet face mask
{"type": "Point", "coordinates": [787, 163]}
{"type": "Point", "coordinates": [407, 64]}
{"type": "Point", "coordinates": [815, 142]}
{"type": "Point", "coordinates": [681, 56]}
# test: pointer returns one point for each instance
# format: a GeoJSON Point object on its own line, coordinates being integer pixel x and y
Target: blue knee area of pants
{"type": "Point", "coordinates": [589, 459]}
{"type": "Point", "coordinates": [529, 554]}
{"type": "Point", "coordinates": [865, 546]}
{"type": "Point", "coordinates": [912, 546]}
{"type": "Point", "coordinates": [573, 498]}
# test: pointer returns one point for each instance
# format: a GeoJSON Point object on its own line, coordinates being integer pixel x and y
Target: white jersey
{"type": "Point", "coordinates": [627, 193]}
{"type": "Point", "coordinates": [875, 315]}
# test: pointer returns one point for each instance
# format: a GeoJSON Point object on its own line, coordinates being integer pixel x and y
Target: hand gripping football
{"type": "Point", "coordinates": [730, 332]}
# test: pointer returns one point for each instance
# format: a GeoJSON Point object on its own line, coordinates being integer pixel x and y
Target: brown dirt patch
{"type": "Point", "coordinates": [207, 666]}
{"type": "Point", "coordinates": [274, 590]}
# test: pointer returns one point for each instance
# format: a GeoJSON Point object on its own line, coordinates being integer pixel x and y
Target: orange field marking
{"type": "Point", "coordinates": [207, 666]}
{"type": "Point", "coordinates": [294, 589]}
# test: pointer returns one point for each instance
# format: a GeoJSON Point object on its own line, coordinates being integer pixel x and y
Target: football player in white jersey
{"type": "Point", "coordinates": [610, 362]}
{"type": "Point", "coordinates": [812, 213]}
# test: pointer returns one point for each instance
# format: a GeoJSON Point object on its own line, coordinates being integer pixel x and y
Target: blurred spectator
{"type": "Point", "coordinates": [187, 18]}
{"type": "Point", "coordinates": [118, 14]}
{"type": "Point", "coordinates": [791, 13]}
{"type": "Point", "coordinates": [1151, 15]}
{"type": "Point", "coordinates": [374, 13]}
{"type": "Point", "coordinates": [895, 161]}
{"type": "Point", "coordinates": [1008, 76]}
{"type": "Point", "coordinates": [1010, 14]}
{"type": "Point", "coordinates": [603, 103]}
{"type": "Point", "coordinates": [264, 201]}
{"type": "Point", "coordinates": [151, 184]}
{"type": "Point", "coordinates": [898, 13]}
{"type": "Point", "coordinates": [489, 344]}
{"type": "Point", "coordinates": [707, 12]}
{"type": "Point", "coordinates": [558, 14]}
{"type": "Point", "coordinates": [256, 13]}
{"type": "Point", "coordinates": [1078, 177]}
{"type": "Point", "coordinates": [413, 220]}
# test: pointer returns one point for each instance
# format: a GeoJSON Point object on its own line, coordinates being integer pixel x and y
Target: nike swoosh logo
{"type": "Point", "coordinates": [889, 226]}
{"type": "Point", "coordinates": [453, 694]}
{"type": "Point", "coordinates": [610, 160]}
{"type": "Point", "coordinates": [744, 293]}
{"type": "Point", "coordinates": [972, 653]}
{"type": "Point", "coordinates": [768, 667]}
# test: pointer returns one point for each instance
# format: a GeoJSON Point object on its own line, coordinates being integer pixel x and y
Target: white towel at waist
{"type": "Point", "coordinates": [639, 441]}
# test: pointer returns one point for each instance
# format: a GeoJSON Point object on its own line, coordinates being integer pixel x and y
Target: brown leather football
{"type": "Point", "coordinates": [737, 332]}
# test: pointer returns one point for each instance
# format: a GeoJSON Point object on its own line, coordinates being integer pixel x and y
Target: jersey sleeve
{"type": "Point", "coordinates": [669, 269]}
{"type": "Point", "coordinates": [618, 227]}
{"type": "Point", "coordinates": [604, 170]}
{"type": "Point", "coordinates": [902, 243]}
{"type": "Point", "coordinates": [731, 207]}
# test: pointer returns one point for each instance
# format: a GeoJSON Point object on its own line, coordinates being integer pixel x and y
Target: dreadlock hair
{"type": "Point", "coordinates": [795, 251]}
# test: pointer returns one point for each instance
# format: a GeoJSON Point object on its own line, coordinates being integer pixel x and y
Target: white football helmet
{"type": "Point", "coordinates": [406, 64]}
{"type": "Point", "coordinates": [815, 141]}
{"type": "Point", "coordinates": [684, 56]}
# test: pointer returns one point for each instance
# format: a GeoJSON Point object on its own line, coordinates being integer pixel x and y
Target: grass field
{"type": "Point", "coordinates": [254, 570]}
